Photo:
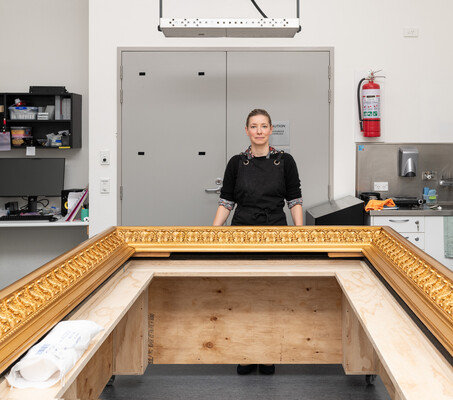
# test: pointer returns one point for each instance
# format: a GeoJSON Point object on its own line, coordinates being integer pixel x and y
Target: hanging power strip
{"type": "Point", "coordinates": [229, 27]}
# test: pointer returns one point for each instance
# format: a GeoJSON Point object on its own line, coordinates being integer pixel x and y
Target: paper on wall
{"type": "Point", "coordinates": [280, 134]}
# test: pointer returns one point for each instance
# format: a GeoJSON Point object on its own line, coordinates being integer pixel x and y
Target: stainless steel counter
{"type": "Point", "coordinates": [421, 211]}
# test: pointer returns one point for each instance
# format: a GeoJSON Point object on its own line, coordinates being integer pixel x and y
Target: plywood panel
{"type": "Point", "coordinates": [409, 364]}
{"type": "Point", "coordinates": [394, 395]}
{"type": "Point", "coordinates": [130, 339]}
{"type": "Point", "coordinates": [91, 381]}
{"type": "Point", "coordinates": [247, 320]}
{"type": "Point", "coordinates": [246, 267]}
{"type": "Point", "coordinates": [358, 354]}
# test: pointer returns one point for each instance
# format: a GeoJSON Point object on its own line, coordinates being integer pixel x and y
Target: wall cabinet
{"type": "Point", "coordinates": [67, 117]}
{"type": "Point", "coordinates": [425, 232]}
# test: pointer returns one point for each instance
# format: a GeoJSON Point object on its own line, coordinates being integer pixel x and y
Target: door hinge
{"type": "Point", "coordinates": [121, 96]}
{"type": "Point", "coordinates": [121, 72]}
{"type": "Point", "coordinates": [121, 193]}
{"type": "Point", "coordinates": [330, 95]}
{"type": "Point", "coordinates": [329, 72]}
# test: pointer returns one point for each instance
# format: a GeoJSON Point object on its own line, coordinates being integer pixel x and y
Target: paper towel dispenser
{"type": "Point", "coordinates": [408, 161]}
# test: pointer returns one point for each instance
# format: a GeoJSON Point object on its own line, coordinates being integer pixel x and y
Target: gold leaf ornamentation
{"type": "Point", "coordinates": [245, 235]}
{"type": "Point", "coordinates": [428, 279]}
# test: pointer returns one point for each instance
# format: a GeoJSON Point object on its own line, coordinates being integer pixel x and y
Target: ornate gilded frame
{"type": "Point", "coordinates": [34, 304]}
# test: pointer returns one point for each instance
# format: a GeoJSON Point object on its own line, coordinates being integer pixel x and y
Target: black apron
{"type": "Point", "coordinates": [260, 191]}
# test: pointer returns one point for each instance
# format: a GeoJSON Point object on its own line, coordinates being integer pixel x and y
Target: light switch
{"type": "Point", "coordinates": [105, 185]}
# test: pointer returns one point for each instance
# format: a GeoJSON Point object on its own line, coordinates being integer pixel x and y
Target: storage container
{"type": "Point", "coordinates": [23, 112]}
{"type": "Point", "coordinates": [21, 136]}
{"type": "Point", "coordinates": [430, 199]}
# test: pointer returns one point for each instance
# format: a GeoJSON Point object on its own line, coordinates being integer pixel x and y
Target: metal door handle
{"type": "Point", "coordinates": [398, 221]}
{"type": "Point", "coordinates": [218, 182]}
{"type": "Point", "coordinates": [213, 190]}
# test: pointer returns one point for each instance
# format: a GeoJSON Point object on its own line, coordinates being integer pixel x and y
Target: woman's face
{"type": "Point", "coordinates": [258, 130]}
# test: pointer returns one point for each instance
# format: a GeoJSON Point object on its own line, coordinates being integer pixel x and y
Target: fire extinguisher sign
{"type": "Point", "coordinates": [371, 103]}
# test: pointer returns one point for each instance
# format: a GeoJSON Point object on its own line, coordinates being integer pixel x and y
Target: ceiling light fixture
{"type": "Point", "coordinates": [230, 27]}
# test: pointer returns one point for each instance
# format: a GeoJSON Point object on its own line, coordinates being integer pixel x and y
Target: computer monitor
{"type": "Point", "coordinates": [31, 177]}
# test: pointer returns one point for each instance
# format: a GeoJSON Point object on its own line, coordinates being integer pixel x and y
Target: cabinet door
{"type": "Point", "coordinates": [434, 240]}
{"type": "Point", "coordinates": [415, 238]}
{"type": "Point", "coordinates": [401, 223]}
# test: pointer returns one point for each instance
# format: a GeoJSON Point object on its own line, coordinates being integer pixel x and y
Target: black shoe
{"type": "Point", "coordinates": [267, 369]}
{"type": "Point", "coordinates": [246, 369]}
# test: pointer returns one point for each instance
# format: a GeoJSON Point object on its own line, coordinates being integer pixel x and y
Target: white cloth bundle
{"type": "Point", "coordinates": [47, 362]}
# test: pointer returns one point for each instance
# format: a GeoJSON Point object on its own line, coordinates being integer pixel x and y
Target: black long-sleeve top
{"type": "Point", "coordinates": [293, 191]}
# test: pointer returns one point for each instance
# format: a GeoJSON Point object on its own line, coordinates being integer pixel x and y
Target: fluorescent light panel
{"type": "Point", "coordinates": [229, 27]}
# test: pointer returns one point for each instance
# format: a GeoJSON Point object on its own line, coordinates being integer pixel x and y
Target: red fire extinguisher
{"type": "Point", "coordinates": [370, 112]}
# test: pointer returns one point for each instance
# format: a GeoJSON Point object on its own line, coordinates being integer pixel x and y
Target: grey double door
{"type": "Point", "coordinates": [183, 116]}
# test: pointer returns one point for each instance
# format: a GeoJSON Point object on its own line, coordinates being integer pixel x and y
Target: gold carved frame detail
{"type": "Point", "coordinates": [34, 304]}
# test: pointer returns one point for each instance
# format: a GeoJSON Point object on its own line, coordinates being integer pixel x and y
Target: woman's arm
{"type": "Point", "coordinates": [293, 191]}
{"type": "Point", "coordinates": [226, 201]}
{"type": "Point", "coordinates": [297, 215]}
{"type": "Point", "coordinates": [221, 216]}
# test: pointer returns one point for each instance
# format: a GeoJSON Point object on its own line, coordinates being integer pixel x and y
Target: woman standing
{"type": "Point", "coordinates": [258, 181]}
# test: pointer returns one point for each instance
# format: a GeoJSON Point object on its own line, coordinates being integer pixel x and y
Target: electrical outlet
{"type": "Point", "coordinates": [381, 186]}
{"type": "Point", "coordinates": [105, 157]}
{"type": "Point", "coordinates": [429, 175]}
{"type": "Point", "coordinates": [411, 32]}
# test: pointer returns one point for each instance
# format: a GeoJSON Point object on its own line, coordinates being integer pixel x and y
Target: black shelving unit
{"type": "Point", "coordinates": [41, 128]}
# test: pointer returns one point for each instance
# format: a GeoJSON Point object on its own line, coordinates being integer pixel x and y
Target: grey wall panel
{"type": "Point", "coordinates": [24, 249]}
{"type": "Point", "coordinates": [173, 111]}
{"type": "Point", "coordinates": [178, 105]}
{"type": "Point", "coordinates": [291, 86]}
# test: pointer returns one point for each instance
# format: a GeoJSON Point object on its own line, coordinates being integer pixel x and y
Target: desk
{"type": "Point", "coordinates": [41, 224]}
{"type": "Point", "coordinates": [165, 310]}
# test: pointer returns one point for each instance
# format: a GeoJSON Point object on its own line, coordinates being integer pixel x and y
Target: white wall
{"type": "Point", "coordinates": [365, 34]}
{"type": "Point", "coordinates": [45, 43]}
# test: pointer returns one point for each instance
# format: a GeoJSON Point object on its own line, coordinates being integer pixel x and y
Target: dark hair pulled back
{"type": "Point", "coordinates": [258, 111]}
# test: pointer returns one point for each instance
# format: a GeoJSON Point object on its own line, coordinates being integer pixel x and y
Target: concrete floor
{"type": "Point", "coordinates": [190, 382]}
